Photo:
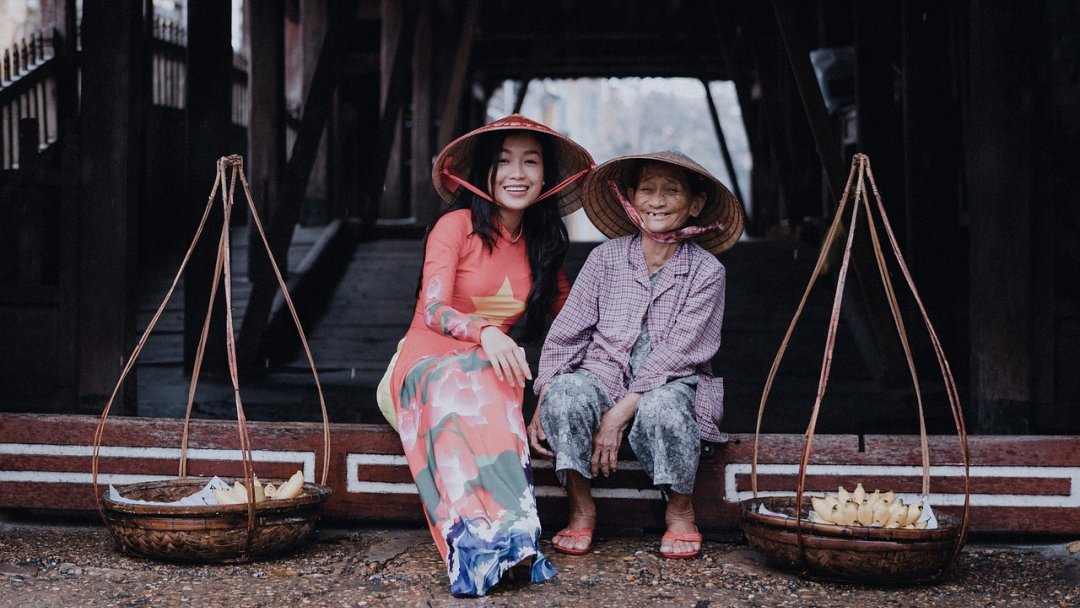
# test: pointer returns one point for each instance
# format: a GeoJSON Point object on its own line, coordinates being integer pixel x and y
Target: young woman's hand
{"type": "Point", "coordinates": [608, 438]}
{"type": "Point", "coordinates": [506, 357]}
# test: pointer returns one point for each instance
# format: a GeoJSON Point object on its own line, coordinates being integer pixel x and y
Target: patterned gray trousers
{"type": "Point", "coordinates": [664, 436]}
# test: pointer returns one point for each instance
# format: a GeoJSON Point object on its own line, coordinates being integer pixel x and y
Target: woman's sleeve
{"type": "Point", "coordinates": [570, 333]}
{"type": "Point", "coordinates": [444, 246]}
{"type": "Point", "coordinates": [693, 340]}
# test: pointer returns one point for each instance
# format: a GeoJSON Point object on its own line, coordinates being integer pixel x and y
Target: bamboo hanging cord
{"type": "Point", "coordinates": [229, 170]}
{"type": "Point", "coordinates": [860, 174]}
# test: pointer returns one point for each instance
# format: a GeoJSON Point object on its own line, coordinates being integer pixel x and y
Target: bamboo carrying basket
{"type": "Point", "coordinates": [213, 533]}
{"type": "Point", "coordinates": [858, 553]}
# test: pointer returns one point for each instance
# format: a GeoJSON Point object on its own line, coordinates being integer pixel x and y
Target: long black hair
{"type": "Point", "coordinates": [546, 239]}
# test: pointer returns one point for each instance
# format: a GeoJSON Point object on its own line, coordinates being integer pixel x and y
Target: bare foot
{"type": "Point", "coordinates": [679, 518]}
{"type": "Point", "coordinates": [582, 515]}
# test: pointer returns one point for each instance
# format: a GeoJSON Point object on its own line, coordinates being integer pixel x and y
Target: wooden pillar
{"type": "Point", "coordinates": [934, 242]}
{"type": "Point", "coordinates": [313, 27]}
{"type": "Point", "coordinates": [872, 326]}
{"type": "Point", "coordinates": [999, 178]}
{"type": "Point", "coordinates": [395, 66]}
{"type": "Point", "coordinates": [113, 68]}
{"type": "Point", "coordinates": [422, 194]}
{"type": "Point", "coordinates": [876, 29]}
{"type": "Point", "coordinates": [459, 69]}
{"type": "Point", "coordinates": [208, 118]}
{"type": "Point", "coordinates": [265, 165]}
{"type": "Point", "coordinates": [763, 206]}
{"type": "Point", "coordinates": [393, 203]}
{"type": "Point", "coordinates": [64, 20]}
{"type": "Point", "coordinates": [729, 165]}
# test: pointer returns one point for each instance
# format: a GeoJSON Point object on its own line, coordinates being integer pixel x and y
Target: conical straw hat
{"type": "Point", "coordinates": [605, 212]}
{"type": "Point", "coordinates": [573, 159]}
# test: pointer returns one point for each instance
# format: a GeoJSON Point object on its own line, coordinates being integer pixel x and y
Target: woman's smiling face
{"type": "Point", "coordinates": [518, 177]}
{"type": "Point", "coordinates": [663, 198]}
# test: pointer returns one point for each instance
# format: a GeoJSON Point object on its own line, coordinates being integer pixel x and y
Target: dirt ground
{"type": "Point", "coordinates": [75, 563]}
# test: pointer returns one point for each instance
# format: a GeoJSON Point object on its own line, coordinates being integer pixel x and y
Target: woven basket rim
{"type": "Point", "coordinates": [314, 494]}
{"type": "Point", "coordinates": [948, 525]}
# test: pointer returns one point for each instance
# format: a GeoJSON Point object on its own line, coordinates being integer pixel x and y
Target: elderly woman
{"type": "Point", "coordinates": [632, 346]}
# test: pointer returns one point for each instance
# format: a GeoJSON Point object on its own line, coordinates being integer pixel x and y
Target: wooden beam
{"type": "Point", "coordinates": [265, 162]}
{"type": "Point", "coordinates": [423, 201]}
{"type": "Point", "coordinates": [932, 169]}
{"type": "Point", "coordinates": [68, 136]}
{"type": "Point", "coordinates": [395, 98]}
{"type": "Point", "coordinates": [519, 99]}
{"type": "Point", "coordinates": [728, 164]}
{"type": "Point", "coordinates": [830, 153]}
{"type": "Point", "coordinates": [46, 460]}
{"type": "Point", "coordinates": [392, 203]}
{"type": "Point", "coordinates": [764, 194]}
{"type": "Point", "coordinates": [208, 114]}
{"type": "Point", "coordinates": [283, 219]}
{"type": "Point", "coordinates": [874, 329]}
{"type": "Point", "coordinates": [113, 114]}
{"type": "Point", "coordinates": [456, 86]}
{"type": "Point", "coordinates": [1000, 173]}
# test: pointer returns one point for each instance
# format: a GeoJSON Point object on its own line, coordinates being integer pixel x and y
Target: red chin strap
{"type": "Point", "coordinates": [673, 236]}
{"type": "Point", "coordinates": [456, 179]}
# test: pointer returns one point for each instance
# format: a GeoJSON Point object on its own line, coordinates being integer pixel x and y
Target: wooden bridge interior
{"type": "Point", "coordinates": [112, 117]}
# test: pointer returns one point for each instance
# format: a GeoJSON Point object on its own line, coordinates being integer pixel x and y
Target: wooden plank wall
{"type": "Point", "coordinates": [1019, 484]}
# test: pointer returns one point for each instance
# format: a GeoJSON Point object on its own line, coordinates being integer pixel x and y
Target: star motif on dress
{"type": "Point", "coordinates": [499, 307]}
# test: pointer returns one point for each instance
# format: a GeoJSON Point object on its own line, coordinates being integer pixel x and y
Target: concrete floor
{"type": "Point", "coordinates": [58, 563]}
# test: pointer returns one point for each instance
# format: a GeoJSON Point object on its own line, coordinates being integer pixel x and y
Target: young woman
{"type": "Point", "coordinates": [631, 348]}
{"type": "Point", "coordinates": [457, 381]}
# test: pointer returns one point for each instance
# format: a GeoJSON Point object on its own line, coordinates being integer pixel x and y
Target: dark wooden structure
{"type": "Point", "coordinates": [969, 109]}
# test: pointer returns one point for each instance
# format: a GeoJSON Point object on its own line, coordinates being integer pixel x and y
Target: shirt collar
{"type": "Point", "coordinates": [678, 264]}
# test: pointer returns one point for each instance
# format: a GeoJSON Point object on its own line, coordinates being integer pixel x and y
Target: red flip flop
{"type": "Point", "coordinates": [686, 537]}
{"type": "Point", "coordinates": [574, 534]}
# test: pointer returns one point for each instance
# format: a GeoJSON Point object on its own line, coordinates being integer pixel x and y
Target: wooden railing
{"type": "Point", "coordinates": [28, 117]}
{"type": "Point", "coordinates": [28, 120]}
{"type": "Point", "coordinates": [169, 44]}
{"type": "Point", "coordinates": [170, 71]}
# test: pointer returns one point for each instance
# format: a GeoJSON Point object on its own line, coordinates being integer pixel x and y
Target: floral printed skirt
{"type": "Point", "coordinates": [465, 440]}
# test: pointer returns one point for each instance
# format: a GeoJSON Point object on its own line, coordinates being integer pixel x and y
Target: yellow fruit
{"type": "Point", "coordinates": [260, 492]}
{"type": "Point", "coordinates": [881, 513]}
{"type": "Point", "coordinates": [865, 513]}
{"type": "Point", "coordinates": [291, 488]}
{"type": "Point", "coordinates": [914, 512]}
{"type": "Point", "coordinates": [859, 494]}
{"type": "Point", "coordinates": [897, 512]}
{"type": "Point", "coordinates": [225, 497]}
{"type": "Point", "coordinates": [842, 495]}
{"type": "Point", "coordinates": [821, 509]}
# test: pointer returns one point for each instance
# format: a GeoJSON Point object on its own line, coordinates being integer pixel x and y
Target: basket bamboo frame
{"type": "Point", "coordinates": [858, 553]}
{"type": "Point", "coordinates": [213, 533]}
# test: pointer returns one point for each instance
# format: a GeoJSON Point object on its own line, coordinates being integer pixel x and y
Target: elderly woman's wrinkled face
{"type": "Point", "coordinates": [663, 198]}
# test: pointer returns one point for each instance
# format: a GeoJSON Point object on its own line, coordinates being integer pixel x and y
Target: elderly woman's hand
{"type": "Point", "coordinates": [608, 438]}
{"type": "Point", "coordinates": [506, 357]}
{"type": "Point", "coordinates": [537, 436]}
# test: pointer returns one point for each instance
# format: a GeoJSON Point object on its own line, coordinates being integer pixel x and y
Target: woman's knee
{"type": "Point", "coordinates": [666, 410]}
{"type": "Point", "coordinates": [564, 397]}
